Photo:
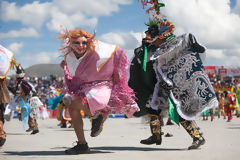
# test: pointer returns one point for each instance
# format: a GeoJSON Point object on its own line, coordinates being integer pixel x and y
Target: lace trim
{"type": "Point", "coordinates": [171, 50]}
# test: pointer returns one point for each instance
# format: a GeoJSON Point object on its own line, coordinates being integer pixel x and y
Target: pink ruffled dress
{"type": "Point", "coordinates": [93, 78]}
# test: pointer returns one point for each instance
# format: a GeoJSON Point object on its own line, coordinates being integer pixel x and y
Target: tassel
{"type": "Point", "coordinates": [145, 58]}
{"type": "Point", "coordinates": [14, 63]}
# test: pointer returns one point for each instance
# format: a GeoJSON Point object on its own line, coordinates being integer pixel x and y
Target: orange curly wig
{"type": "Point", "coordinates": [74, 34]}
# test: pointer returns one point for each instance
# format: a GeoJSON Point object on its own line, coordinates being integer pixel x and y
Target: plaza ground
{"type": "Point", "coordinates": [120, 141]}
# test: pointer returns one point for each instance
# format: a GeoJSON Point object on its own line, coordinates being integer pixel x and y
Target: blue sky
{"type": "Point", "coordinates": [29, 28]}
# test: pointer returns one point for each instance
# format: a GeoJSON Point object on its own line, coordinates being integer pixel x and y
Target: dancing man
{"type": "Point", "coordinates": [182, 87]}
{"type": "Point", "coordinates": [96, 82]}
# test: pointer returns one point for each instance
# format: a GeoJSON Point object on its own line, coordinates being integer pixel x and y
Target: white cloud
{"type": "Point", "coordinates": [227, 57]}
{"type": "Point", "coordinates": [93, 8]}
{"type": "Point", "coordinates": [15, 47]}
{"type": "Point", "coordinates": [69, 21]}
{"type": "Point", "coordinates": [24, 32]}
{"type": "Point", "coordinates": [211, 21]}
{"type": "Point", "coordinates": [74, 13]}
{"type": "Point", "coordinates": [236, 9]}
{"type": "Point", "coordinates": [216, 54]}
{"type": "Point", "coordinates": [33, 14]}
{"type": "Point", "coordinates": [38, 58]}
{"type": "Point", "coordinates": [126, 40]}
{"type": "Point", "coordinates": [70, 13]}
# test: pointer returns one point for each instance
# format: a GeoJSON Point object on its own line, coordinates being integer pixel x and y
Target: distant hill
{"type": "Point", "coordinates": [41, 70]}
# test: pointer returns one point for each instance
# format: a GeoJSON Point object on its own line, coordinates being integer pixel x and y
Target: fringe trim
{"type": "Point", "coordinates": [171, 50]}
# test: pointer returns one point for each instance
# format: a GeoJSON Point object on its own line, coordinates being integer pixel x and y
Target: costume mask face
{"type": "Point", "coordinates": [80, 45]}
{"type": "Point", "coordinates": [152, 31]}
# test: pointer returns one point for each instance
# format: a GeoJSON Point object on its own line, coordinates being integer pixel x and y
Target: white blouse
{"type": "Point", "coordinates": [73, 62]}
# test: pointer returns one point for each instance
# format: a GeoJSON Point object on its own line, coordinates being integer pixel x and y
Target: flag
{"type": "Point", "coordinates": [173, 114]}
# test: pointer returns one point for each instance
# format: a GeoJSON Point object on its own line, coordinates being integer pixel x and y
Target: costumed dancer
{"type": "Point", "coordinates": [230, 104]}
{"type": "Point", "coordinates": [28, 94]}
{"type": "Point", "coordinates": [4, 98]}
{"type": "Point", "coordinates": [221, 100]}
{"type": "Point", "coordinates": [28, 102]}
{"type": "Point", "coordinates": [62, 111]}
{"type": "Point", "coordinates": [183, 88]}
{"type": "Point", "coordinates": [207, 113]}
{"type": "Point", "coordinates": [96, 82]}
{"type": "Point", "coordinates": [7, 62]}
{"type": "Point", "coordinates": [62, 116]}
{"type": "Point", "coordinates": [238, 100]}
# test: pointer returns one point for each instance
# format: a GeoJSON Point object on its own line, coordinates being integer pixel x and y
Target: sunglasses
{"type": "Point", "coordinates": [78, 43]}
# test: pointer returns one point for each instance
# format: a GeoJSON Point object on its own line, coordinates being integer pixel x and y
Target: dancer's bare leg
{"type": "Point", "coordinates": [74, 110]}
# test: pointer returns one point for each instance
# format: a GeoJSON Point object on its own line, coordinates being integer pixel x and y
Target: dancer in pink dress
{"type": "Point", "coordinates": [96, 79]}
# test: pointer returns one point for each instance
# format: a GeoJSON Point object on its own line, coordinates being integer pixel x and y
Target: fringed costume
{"type": "Point", "coordinates": [92, 78]}
{"type": "Point", "coordinates": [183, 88]}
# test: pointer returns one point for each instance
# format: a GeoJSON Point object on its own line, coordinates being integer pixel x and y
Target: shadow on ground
{"type": "Point", "coordinates": [16, 134]}
{"type": "Point", "coordinates": [119, 148]}
{"type": "Point", "coordinates": [48, 153]}
{"type": "Point", "coordinates": [233, 127]}
{"type": "Point", "coordinates": [94, 150]}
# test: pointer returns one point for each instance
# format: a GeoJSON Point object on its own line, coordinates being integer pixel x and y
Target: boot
{"type": "Point", "coordinates": [33, 125]}
{"type": "Point", "coordinates": [29, 129]}
{"type": "Point", "coordinates": [30, 125]}
{"type": "Point", "coordinates": [64, 125]}
{"type": "Point", "coordinates": [97, 125]}
{"type": "Point", "coordinates": [192, 130]}
{"type": "Point", "coordinates": [78, 149]}
{"type": "Point", "coordinates": [2, 134]}
{"type": "Point", "coordinates": [155, 127]}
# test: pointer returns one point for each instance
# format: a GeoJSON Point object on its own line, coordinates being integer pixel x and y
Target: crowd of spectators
{"type": "Point", "coordinates": [45, 86]}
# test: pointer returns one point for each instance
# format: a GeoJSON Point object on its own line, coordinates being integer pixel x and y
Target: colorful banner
{"type": "Point", "coordinates": [211, 70]}
{"type": "Point", "coordinates": [222, 71]}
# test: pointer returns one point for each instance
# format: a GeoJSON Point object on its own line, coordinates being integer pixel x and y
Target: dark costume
{"type": "Point", "coordinates": [4, 98]}
{"type": "Point", "coordinates": [181, 79]}
{"type": "Point", "coordinates": [143, 84]}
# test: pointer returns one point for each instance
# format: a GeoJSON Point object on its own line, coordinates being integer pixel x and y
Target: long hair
{"type": "Point", "coordinates": [68, 36]}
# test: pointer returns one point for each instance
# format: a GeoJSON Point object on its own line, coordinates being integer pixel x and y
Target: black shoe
{"type": "Point", "coordinates": [151, 140]}
{"type": "Point", "coordinates": [29, 130]}
{"type": "Point", "coordinates": [97, 125]}
{"type": "Point", "coordinates": [169, 123]}
{"type": "Point", "coordinates": [78, 149]}
{"type": "Point", "coordinates": [63, 125]}
{"type": "Point", "coordinates": [2, 141]}
{"type": "Point", "coordinates": [35, 131]}
{"type": "Point", "coordinates": [196, 144]}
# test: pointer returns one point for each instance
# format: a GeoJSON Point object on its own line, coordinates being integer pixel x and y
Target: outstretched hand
{"type": "Point", "coordinates": [62, 64]}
